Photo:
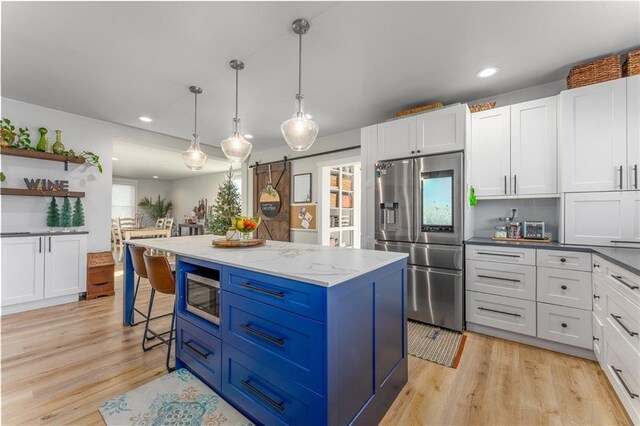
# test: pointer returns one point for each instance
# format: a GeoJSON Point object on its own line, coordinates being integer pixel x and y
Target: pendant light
{"type": "Point", "coordinates": [194, 158]}
{"type": "Point", "coordinates": [300, 132]}
{"type": "Point", "coordinates": [236, 147]}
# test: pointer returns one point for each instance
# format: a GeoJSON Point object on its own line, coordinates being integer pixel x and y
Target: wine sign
{"type": "Point", "coordinates": [47, 184]}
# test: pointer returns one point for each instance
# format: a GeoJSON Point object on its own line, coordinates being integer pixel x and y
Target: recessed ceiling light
{"type": "Point", "coordinates": [145, 119]}
{"type": "Point", "coordinates": [155, 177]}
{"type": "Point", "coordinates": [487, 72]}
{"type": "Point", "coordinates": [114, 158]}
{"type": "Point", "coordinates": [248, 136]}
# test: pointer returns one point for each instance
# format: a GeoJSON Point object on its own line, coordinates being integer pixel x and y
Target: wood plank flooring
{"type": "Point", "coordinates": [59, 364]}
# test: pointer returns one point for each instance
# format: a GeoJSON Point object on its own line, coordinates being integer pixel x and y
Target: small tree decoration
{"type": "Point", "coordinates": [78, 214]}
{"type": "Point", "coordinates": [65, 220]}
{"type": "Point", "coordinates": [53, 215]}
{"type": "Point", "coordinates": [226, 206]}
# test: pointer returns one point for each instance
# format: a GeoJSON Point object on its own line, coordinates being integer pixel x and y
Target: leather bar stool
{"type": "Point", "coordinates": [141, 271]}
{"type": "Point", "coordinates": [163, 281]}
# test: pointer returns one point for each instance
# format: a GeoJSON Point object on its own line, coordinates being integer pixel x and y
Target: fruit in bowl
{"type": "Point", "coordinates": [246, 225]}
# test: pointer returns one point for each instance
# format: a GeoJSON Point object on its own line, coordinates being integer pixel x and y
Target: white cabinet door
{"type": "Point", "coordinates": [594, 137]}
{"type": "Point", "coordinates": [631, 219]}
{"type": "Point", "coordinates": [442, 130]}
{"type": "Point", "coordinates": [534, 147]}
{"type": "Point", "coordinates": [633, 131]}
{"type": "Point", "coordinates": [490, 152]}
{"type": "Point", "coordinates": [65, 265]}
{"type": "Point", "coordinates": [368, 155]}
{"type": "Point", "coordinates": [22, 269]}
{"type": "Point", "coordinates": [397, 138]}
{"type": "Point", "coordinates": [594, 218]}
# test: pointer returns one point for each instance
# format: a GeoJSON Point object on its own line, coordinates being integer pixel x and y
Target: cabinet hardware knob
{"type": "Point", "coordinates": [595, 339]}
{"type": "Point", "coordinates": [418, 151]}
{"type": "Point", "coordinates": [564, 287]}
{"type": "Point", "coordinates": [562, 259]}
{"type": "Point", "coordinates": [564, 325]}
{"type": "Point", "coordinates": [595, 296]}
{"type": "Point", "coordinates": [413, 152]}
{"type": "Point", "coordinates": [595, 265]}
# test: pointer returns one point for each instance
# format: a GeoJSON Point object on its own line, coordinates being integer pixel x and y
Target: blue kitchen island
{"type": "Point", "coordinates": [298, 334]}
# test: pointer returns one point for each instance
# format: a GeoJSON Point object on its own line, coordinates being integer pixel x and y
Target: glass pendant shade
{"type": "Point", "coordinates": [299, 132]}
{"type": "Point", "coordinates": [236, 148]}
{"type": "Point", "coordinates": [194, 158]}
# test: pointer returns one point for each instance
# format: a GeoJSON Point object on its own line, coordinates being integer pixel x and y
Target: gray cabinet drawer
{"type": "Point", "coordinates": [565, 325]}
{"type": "Point", "coordinates": [501, 312]}
{"type": "Point", "coordinates": [623, 316]}
{"type": "Point", "coordinates": [627, 283]}
{"type": "Point", "coordinates": [501, 279]}
{"type": "Point", "coordinates": [621, 366]}
{"type": "Point", "coordinates": [515, 255]}
{"type": "Point", "coordinates": [565, 287]}
{"type": "Point", "coordinates": [574, 260]}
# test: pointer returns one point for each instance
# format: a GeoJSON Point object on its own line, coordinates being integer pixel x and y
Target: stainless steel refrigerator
{"type": "Point", "coordinates": [419, 211]}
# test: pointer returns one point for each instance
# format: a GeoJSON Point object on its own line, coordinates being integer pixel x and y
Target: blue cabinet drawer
{"type": "Point", "coordinates": [201, 351]}
{"type": "Point", "coordinates": [288, 342]}
{"type": "Point", "coordinates": [294, 296]}
{"type": "Point", "coordinates": [266, 394]}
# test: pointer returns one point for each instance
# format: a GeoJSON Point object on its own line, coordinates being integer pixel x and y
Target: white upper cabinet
{"type": "Point", "coordinates": [441, 130]}
{"type": "Point", "coordinates": [534, 156]}
{"type": "Point", "coordinates": [633, 131]}
{"type": "Point", "coordinates": [65, 265]}
{"type": "Point", "coordinates": [594, 137]}
{"type": "Point", "coordinates": [603, 218]}
{"type": "Point", "coordinates": [433, 132]}
{"type": "Point", "coordinates": [397, 138]}
{"type": "Point", "coordinates": [22, 270]}
{"type": "Point", "coordinates": [490, 152]}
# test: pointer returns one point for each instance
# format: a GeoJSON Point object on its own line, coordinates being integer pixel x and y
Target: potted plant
{"type": "Point", "coordinates": [156, 209]}
{"type": "Point", "coordinates": [8, 132]}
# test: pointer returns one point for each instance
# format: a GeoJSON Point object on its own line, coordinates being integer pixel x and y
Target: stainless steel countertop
{"type": "Point", "coordinates": [627, 258]}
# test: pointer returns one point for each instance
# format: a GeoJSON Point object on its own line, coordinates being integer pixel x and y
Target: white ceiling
{"type": "Point", "coordinates": [116, 61]}
{"type": "Point", "coordinates": [143, 161]}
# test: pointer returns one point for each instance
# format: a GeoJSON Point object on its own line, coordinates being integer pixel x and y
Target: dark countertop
{"type": "Point", "coordinates": [628, 258]}
{"type": "Point", "coordinates": [39, 234]}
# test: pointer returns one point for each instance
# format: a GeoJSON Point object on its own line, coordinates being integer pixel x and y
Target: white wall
{"type": "Point", "coordinates": [147, 188]}
{"type": "Point", "coordinates": [309, 165]}
{"type": "Point", "coordinates": [185, 193]}
{"type": "Point", "coordinates": [29, 213]}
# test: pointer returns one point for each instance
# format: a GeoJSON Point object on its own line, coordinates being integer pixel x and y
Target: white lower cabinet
{"type": "Point", "coordinates": [39, 271]}
{"type": "Point", "coordinates": [505, 313]}
{"type": "Point", "coordinates": [501, 279]}
{"type": "Point", "coordinates": [565, 325]}
{"type": "Point", "coordinates": [621, 366]}
{"type": "Point", "coordinates": [565, 288]}
{"type": "Point", "coordinates": [598, 337]}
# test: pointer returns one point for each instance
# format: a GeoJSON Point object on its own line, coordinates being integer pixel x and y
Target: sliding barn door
{"type": "Point", "coordinates": [277, 227]}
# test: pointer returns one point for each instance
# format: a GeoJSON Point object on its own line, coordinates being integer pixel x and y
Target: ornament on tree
{"type": "Point", "coordinates": [53, 215]}
{"type": "Point", "coordinates": [78, 214]}
{"type": "Point", "coordinates": [65, 219]}
{"type": "Point", "coordinates": [226, 206]}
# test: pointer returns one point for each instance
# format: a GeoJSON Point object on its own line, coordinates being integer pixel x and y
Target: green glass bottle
{"type": "Point", "coordinates": [42, 143]}
{"type": "Point", "coordinates": [58, 147]}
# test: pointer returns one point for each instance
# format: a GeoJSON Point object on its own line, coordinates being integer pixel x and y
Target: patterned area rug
{"type": "Point", "coordinates": [435, 344]}
{"type": "Point", "coordinates": [178, 398]}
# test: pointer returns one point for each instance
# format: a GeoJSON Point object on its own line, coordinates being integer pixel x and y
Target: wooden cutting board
{"type": "Point", "coordinates": [238, 243]}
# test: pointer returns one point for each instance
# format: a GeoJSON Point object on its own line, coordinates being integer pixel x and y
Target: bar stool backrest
{"type": "Point", "coordinates": [159, 273]}
{"type": "Point", "coordinates": [137, 258]}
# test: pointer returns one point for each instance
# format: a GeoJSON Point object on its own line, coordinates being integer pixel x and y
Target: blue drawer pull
{"type": "Point", "coordinates": [196, 351]}
{"type": "Point", "coordinates": [278, 294]}
{"type": "Point", "coordinates": [265, 336]}
{"type": "Point", "coordinates": [264, 397]}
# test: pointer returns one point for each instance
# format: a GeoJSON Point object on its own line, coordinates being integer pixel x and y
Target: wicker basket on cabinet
{"type": "Point", "coordinates": [632, 65]}
{"type": "Point", "coordinates": [604, 69]}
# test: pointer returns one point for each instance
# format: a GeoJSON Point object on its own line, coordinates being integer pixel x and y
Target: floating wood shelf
{"type": "Point", "coordinates": [15, 152]}
{"type": "Point", "coordinates": [39, 193]}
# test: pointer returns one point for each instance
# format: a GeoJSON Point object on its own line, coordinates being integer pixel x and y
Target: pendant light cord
{"type": "Point", "coordinates": [195, 118]}
{"type": "Point", "coordinates": [299, 97]}
{"type": "Point", "coordinates": [235, 120]}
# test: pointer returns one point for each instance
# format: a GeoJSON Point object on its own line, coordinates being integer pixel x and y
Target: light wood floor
{"type": "Point", "coordinates": [60, 363]}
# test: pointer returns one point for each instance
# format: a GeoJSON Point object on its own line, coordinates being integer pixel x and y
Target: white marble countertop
{"type": "Point", "coordinates": [310, 263]}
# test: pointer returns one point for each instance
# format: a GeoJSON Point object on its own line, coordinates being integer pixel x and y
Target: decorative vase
{"type": "Point", "coordinates": [246, 235]}
{"type": "Point", "coordinates": [58, 147]}
{"type": "Point", "coordinates": [42, 143]}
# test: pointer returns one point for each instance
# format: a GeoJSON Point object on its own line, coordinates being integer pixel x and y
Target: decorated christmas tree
{"type": "Point", "coordinates": [78, 214]}
{"type": "Point", "coordinates": [53, 214]}
{"type": "Point", "coordinates": [226, 206]}
{"type": "Point", "coordinates": [65, 219]}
